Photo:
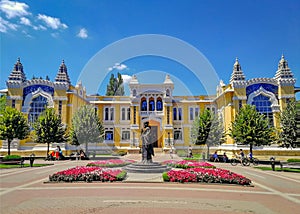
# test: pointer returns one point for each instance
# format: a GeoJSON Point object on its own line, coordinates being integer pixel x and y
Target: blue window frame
{"type": "Point", "coordinates": [263, 106]}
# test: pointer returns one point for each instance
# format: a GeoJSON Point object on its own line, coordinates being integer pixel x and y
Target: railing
{"type": "Point", "coordinates": [152, 113]}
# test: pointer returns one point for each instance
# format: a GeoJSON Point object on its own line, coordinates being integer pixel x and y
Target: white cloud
{"type": "Point", "coordinates": [25, 21]}
{"type": "Point", "coordinates": [55, 35]}
{"type": "Point", "coordinates": [126, 78]}
{"type": "Point", "coordinates": [118, 66]}
{"type": "Point", "coordinates": [14, 9]}
{"type": "Point", "coordinates": [6, 25]}
{"type": "Point", "coordinates": [82, 33]}
{"type": "Point", "coordinates": [52, 22]}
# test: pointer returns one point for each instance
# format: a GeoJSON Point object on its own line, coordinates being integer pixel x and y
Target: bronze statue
{"type": "Point", "coordinates": [147, 144]}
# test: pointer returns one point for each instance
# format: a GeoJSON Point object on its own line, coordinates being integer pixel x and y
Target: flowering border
{"type": "Point", "coordinates": [205, 175]}
{"type": "Point", "coordinates": [185, 164]}
{"type": "Point", "coordinates": [111, 163]}
{"type": "Point", "coordinates": [88, 174]}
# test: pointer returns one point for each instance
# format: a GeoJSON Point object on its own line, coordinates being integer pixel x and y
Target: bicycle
{"type": "Point", "coordinates": [254, 161]}
{"type": "Point", "coordinates": [236, 160]}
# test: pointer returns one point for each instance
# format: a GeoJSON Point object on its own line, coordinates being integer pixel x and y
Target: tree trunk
{"type": "Point", "coordinates": [48, 144]}
{"type": "Point", "coordinates": [8, 146]}
{"type": "Point", "coordinates": [207, 156]}
{"type": "Point", "coordinates": [86, 148]}
{"type": "Point", "coordinates": [251, 145]}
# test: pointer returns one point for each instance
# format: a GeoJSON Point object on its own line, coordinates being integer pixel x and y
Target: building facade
{"type": "Point", "coordinates": [170, 117]}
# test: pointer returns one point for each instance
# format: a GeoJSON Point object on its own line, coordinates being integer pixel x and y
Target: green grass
{"type": "Point", "coordinates": [266, 168]}
{"type": "Point", "coordinates": [293, 160]}
{"type": "Point", "coordinates": [10, 166]}
{"type": "Point", "coordinates": [196, 157]}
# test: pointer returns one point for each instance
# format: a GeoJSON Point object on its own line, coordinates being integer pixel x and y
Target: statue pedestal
{"type": "Point", "coordinates": [146, 168]}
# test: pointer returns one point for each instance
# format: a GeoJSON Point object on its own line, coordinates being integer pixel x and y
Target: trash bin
{"type": "Point", "coordinates": [272, 161]}
{"type": "Point", "coordinates": [31, 159]}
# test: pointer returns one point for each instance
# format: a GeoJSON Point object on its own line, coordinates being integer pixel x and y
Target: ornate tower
{"type": "Point", "coordinates": [286, 82]}
{"type": "Point", "coordinates": [62, 74]}
{"type": "Point", "coordinates": [15, 84]}
{"type": "Point", "coordinates": [237, 77]}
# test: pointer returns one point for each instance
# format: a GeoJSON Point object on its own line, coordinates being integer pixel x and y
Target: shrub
{"type": "Point", "coordinates": [10, 157]}
{"type": "Point", "coordinates": [165, 176]}
{"type": "Point", "coordinates": [293, 160]}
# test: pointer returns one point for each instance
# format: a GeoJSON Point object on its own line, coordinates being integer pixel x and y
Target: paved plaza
{"type": "Point", "coordinates": [23, 190]}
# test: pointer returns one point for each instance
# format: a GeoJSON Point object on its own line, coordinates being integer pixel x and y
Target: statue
{"type": "Point", "coordinates": [147, 146]}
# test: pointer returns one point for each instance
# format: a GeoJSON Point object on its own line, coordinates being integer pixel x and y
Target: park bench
{"type": "Point", "coordinates": [291, 165]}
{"type": "Point", "coordinates": [14, 161]}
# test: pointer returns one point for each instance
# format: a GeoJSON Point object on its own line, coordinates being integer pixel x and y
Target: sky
{"type": "Point", "coordinates": [196, 42]}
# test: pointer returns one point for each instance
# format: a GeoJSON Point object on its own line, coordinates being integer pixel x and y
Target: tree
{"type": "Point", "coordinates": [251, 128]}
{"type": "Point", "coordinates": [2, 103]}
{"type": "Point", "coordinates": [13, 124]}
{"type": "Point", "coordinates": [288, 134]}
{"type": "Point", "coordinates": [49, 128]}
{"type": "Point", "coordinates": [86, 127]}
{"type": "Point", "coordinates": [115, 86]}
{"type": "Point", "coordinates": [207, 129]}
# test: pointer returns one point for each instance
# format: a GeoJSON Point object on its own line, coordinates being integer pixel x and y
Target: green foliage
{"type": "Point", "coordinates": [121, 176]}
{"type": "Point", "coordinates": [288, 134]}
{"type": "Point", "coordinates": [207, 129]}
{"type": "Point", "coordinates": [49, 128]}
{"type": "Point", "coordinates": [86, 127]}
{"type": "Point", "coordinates": [251, 128]}
{"type": "Point", "coordinates": [115, 86]}
{"type": "Point", "coordinates": [266, 168]}
{"type": "Point", "coordinates": [2, 103]}
{"type": "Point", "coordinates": [293, 160]}
{"type": "Point", "coordinates": [120, 153]}
{"type": "Point", "coordinates": [13, 125]}
{"type": "Point", "coordinates": [10, 157]}
{"type": "Point", "coordinates": [165, 176]}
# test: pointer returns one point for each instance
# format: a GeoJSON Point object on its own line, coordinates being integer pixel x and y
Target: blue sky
{"type": "Point", "coordinates": [44, 32]}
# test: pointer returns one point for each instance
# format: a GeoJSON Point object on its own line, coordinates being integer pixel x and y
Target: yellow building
{"type": "Point", "coordinates": [169, 116]}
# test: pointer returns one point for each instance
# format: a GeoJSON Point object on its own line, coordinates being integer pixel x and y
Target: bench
{"type": "Point", "coordinates": [13, 162]}
{"type": "Point", "coordinates": [291, 165]}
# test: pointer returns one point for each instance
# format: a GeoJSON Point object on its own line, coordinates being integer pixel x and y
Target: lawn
{"type": "Point", "coordinates": [266, 168]}
{"type": "Point", "coordinates": [9, 166]}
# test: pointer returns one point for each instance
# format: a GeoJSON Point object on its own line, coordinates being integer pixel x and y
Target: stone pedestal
{"type": "Point", "coordinates": [146, 168]}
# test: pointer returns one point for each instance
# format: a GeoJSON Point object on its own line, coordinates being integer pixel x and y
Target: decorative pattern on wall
{"type": "Point", "coordinates": [269, 87]}
{"type": "Point", "coordinates": [29, 89]}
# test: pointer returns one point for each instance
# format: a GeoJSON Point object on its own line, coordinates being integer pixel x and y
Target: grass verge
{"type": "Point", "coordinates": [265, 168]}
{"type": "Point", "coordinates": [10, 166]}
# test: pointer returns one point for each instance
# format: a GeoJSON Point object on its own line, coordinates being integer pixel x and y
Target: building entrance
{"type": "Point", "coordinates": [154, 136]}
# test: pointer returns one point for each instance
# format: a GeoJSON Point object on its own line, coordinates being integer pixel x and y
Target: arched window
{"type": "Point", "coordinates": [123, 113]}
{"type": "Point", "coordinates": [37, 106]}
{"type": "Point", "coordinates": [151, 104]}
{"type": "Point", "coordinates": [128, 113]}
{"type": "Point", "coordinates": [134, 92]}
{"type": "Point", "coordinates": [167, 92]}
{"type": "Point", "coordinates": [159, 106]}
{"type": "Point", "coordinates": [263, 106]}
{"type": "Point", "coordinates": [144, 104]}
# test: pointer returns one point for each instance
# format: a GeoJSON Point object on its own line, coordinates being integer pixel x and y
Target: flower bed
{"type": "Point", "coordinates": [184, 164]}
{"type": "Point", "coordinates": [88, 174]}
{"type": "Point", "coordinates": [111, 163]}
{"type": "Point", "coordinates": [206, 176]}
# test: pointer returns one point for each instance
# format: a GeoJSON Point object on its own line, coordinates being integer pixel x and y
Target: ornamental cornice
{"type": "Point", "coordinates": [14, 84]}
{"type": "Point", "coordinates": [14, 98]}
{"type": "Point", "coordinates": [60, 98]}
{"type": "Point", "coordinates": [262, 80]}
{"type": "Point", "coordinates": [61, 85]}
{"type": "Point", "coordinates": [286, 96]}
{"type": "Point", "coordinates": [238, 84]}
{"type": "Point", "coordinates": [287, 82]}
{"type": "Point", "coordinates": [38, 82]}
{"type": "Point", "coordinates": [239, 98]}
{"type": "Point", "coordinates": [275, 108]}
